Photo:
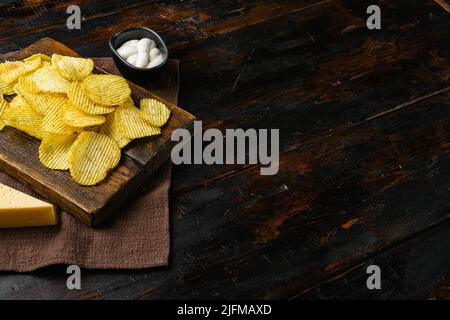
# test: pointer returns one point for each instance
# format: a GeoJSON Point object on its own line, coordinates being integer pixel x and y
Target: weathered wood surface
{"type": "Point", "coordinates": [19, 156]}
{"type": "Point", "coordinates": [364, 120]}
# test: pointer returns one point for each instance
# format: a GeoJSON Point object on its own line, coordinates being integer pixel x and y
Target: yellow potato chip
{"type": "Point", "coordinates": [28, 84]}
{"type": "Point", "coordinates": [10, 71]}
{"type": "Point", "coordinates": [76, 118]}
{"type": "Point", "coordinates": [132, 125]}
{"type": "Point", "coordinates": [7, 89]}
{"type": "Point", "coordinates": [31, 65]}
{"type": "Point", "coordinates": [50, 81]}
{"type": "Point", "coordinates": [155, 112]}
{"type": "Point", "coordinates": [91, 156]}
{"type": "Point", "coordinates": [107, 149]}
{"type": "Point", "coordinates": [22, 117]}
{"type": "Point", "coordinates": [39, 102]}
{"type": "Point", "coordinates": [112, 130]}
{"type": "Point", "coordinates": [55, 58]}
{"type": "Point", "coordinates": [3, 105]}
{"type": "Point", "coordinates": [71, 68]}
{"type": "Point", "coordinates": [77, 96]}
{"type": "Point", "coordinates": [42, 56]}
{"type": "Point", "coordinates": [54, 151]}
{"type": "Point", "coordinates": [53, 120]}
{"type": "Point", "coordinates": [107, 89]}
{"type": "Point", "coordinates": [88, 173]}
{"type": "Point", "coordinates": [10, 65]}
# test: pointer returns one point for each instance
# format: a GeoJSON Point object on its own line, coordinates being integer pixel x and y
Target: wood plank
{"type": "Point", "coordinates": [443, 4]}
{"type": "Point", "coordinates": [313, 73]}
{"type": "Point", "coordinates": [90, 204]}
{"type": "Point", "coordinates": [195, 20]}
{"type": "Point", "coordinates": [414, 269]}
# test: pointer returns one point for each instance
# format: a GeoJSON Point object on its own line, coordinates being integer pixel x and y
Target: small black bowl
{"type": "Point", "coordinates": [128, 70]}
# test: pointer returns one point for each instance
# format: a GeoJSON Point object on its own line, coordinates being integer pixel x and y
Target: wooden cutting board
{"type": "Point", "coordinates": [19, 157]}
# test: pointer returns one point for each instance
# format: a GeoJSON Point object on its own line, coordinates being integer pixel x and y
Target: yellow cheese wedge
{"type": "Point", "coordinates": [19, 210]}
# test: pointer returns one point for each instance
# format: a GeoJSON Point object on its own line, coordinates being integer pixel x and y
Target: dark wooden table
{"type": "Point", "coordinates": [364, 119]}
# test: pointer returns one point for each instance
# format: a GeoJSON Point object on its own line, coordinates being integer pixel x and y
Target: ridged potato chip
{"type": "Point", "coordinates": [155, 112]}
{"type": "Point", "coordinates": [42, 56]}
{"type": "Point", "coordinates": [7, 89]}
{"type": "Point", "coordinates": [131, 124]}
{"type": "Point", "coordinates": [91, 156]}
{"type": "Point", "coordinates": [77, 96]}
{"type": "Point", "coordinates": [76, 118]}
{"type": "Point", "coordinates": [107, 89]}
{"type": "Point", "coordinates": [48, 80]}
{"type": "Point", "coordinates": [53, 120]}
{"type": "Point", "coordinates": [10, 66]}
{"type": "Point", "coordinates": [39, 102]}
{"type": "Point", "coordinates": [10, 71]}
{"type": "Point", "coordinates": [31, 65]}
{"type": "Point", "coordinates": [71, 68]}
{"type": "Point", "coordinates": [28, 84]}
{"type": "Point", "coordinates": [3, 105]}
{"type": "Point", "coordinates": [21, 116]}
{"type": "Point", "coordinates": [54, 151]}
{"type": "Point", "coordinates": [112, 130]}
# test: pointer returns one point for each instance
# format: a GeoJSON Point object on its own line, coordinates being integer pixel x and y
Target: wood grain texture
{"type": "Point", "coordinates": [364, 129]}
{"type": "Point", "coordinates": [90, 204]}
{"type": "Point", "coordinates": [414, 269]}
{"type": "Point", "coordinates": [313, 87]}
{"type": "Point", "coordinates": [443, 4]}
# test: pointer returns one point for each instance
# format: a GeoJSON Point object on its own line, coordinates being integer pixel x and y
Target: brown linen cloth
{"type": "Point", "coordinates": [136, 237]}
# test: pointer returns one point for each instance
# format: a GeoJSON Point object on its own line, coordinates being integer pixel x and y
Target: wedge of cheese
{"type": "Point", "coordinates": [19, 210]}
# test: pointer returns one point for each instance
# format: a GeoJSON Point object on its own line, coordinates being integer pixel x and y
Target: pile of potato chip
{"type": "Point", "coordinates": [83, 119]}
